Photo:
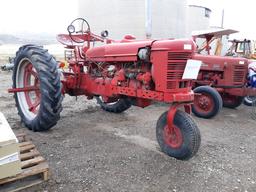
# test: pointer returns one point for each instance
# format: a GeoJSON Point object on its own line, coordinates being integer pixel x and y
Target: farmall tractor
{"type": "Point", "coordinates": [246, 48]}
{"type": "Point", "coordinates": [118, 74]}
{"type": "Point", "coordinates": [222, 80]}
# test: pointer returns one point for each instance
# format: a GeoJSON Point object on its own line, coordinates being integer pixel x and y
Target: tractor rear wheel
{"type": "Point", "coordinates": [117, 106]}
{"type": "Point", "coordinates": [37, 86]}
{"type": "Point", "coordinates": [207, 102]}
{"type": "Point", "coordinates": [231, 101]}
{"type": "Point", "coordinates": [183, 140]}
{"type": "Point", "coordinates": [249, 100]}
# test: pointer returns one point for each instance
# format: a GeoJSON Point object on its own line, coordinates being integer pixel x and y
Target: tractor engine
{"type": "Point", "coordinates": [142, 70]}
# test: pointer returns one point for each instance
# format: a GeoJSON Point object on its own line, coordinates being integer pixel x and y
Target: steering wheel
{"type": "Point", "coordinates": [78, 27]}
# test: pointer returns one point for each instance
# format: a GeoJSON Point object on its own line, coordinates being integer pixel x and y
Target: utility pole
{"type": "Point", "coordinates": [148, 18]}
{"type": "Point", "coordinates": [222, 19]}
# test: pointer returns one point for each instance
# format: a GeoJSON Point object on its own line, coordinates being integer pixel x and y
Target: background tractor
{"type": "Point", "coordinates": [245, 48]}
{"type": "Point", "coordinates": [118, 74]}
{"type": "Point", "coordinates": [222, 80]}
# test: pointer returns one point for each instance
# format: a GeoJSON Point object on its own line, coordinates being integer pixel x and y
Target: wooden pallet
{"type": "Point", "coordinates": [35, 170]}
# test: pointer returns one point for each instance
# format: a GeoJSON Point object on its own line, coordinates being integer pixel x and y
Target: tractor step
{"type": "Point", "coordinates": [35, 169]}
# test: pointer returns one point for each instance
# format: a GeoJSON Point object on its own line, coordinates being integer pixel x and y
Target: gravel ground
{"type": "Point", "coordinates": [92, 150]}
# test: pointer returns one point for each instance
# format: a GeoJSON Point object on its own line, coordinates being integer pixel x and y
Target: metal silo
{"type": "Point", "coordinates": [198, 18]}
{"type": "Point", "coordinates": [120, 17]}
{"type": "Point", "coordinates": [169, 18]}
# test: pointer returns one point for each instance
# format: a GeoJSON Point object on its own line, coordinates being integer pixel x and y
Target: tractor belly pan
{"type": "Point", "coordinates": [100, 86]}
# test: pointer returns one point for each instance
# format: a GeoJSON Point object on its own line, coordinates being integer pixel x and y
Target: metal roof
{"type": "Point", "coordinates": [213, 32]}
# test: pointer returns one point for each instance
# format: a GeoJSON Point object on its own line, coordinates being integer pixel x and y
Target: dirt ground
{"type": "Point", "coordinates": [92, 150]}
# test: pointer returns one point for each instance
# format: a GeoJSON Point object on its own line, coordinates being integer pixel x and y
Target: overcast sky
{"type": "Point", "coordinates": [238, 15]}
{"type": "Point", "coordinates": [53, 16]}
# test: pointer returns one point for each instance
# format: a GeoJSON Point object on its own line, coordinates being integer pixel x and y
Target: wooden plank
{"type": "Point", "coordinates": [35, 169]}
{"type": "Point", "coordinates": [21, 135]}
{"type": "Point", "coordinates": [29, 155]}
{"type": "Point", "coordinates": [17, 186]}
{"type": "Point", "coordinates": [40, 168]}
{"type": "Point", "coordinates": [46, 175]}
{"type": "Point", "coordinates": [27, 148]}
{"type": "Point", "coordinates": [22, 144]}
{"type": "Point", "coordinates": [31, 162]}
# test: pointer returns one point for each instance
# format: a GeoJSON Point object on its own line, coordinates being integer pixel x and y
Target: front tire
{"type": "Point", "coordinates": [207, 102]}
{"type": "Point", "coordinates": [184, 142]}
{"type": "Point", "coordinates": [36, 70]}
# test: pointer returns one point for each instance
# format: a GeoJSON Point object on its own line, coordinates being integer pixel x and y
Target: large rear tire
{"type": "Point", "coordinates": [118, 106]}
{"type": "Point", "coordinates": [36, 71]}
{"type": "Point", "coordinates": [184, 141]}
{"type": "Point", "coordinates": [231, 101]}
{"type": "Point", "coordinates": [207, 102]}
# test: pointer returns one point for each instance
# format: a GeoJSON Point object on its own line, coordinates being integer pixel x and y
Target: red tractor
{"type": "Point", "coordinates": [245, 48]}
{"type": "Point", "coordinates": [222, 80]}
{"type": "Point", "coordinates": [118, 74]}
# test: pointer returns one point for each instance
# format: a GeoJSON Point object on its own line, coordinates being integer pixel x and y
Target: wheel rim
{"type": "Point", "coordinates": [250, 99]}
{"type": "Point", "coordinates": [173, 137]}
{"type": "Point", "coordinates": [27, 78]}
{"type": "Point", "coordinates": [204, 103]}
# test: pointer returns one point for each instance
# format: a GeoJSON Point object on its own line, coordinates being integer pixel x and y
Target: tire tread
{"type": "Point", "coordinates": [50, 87]}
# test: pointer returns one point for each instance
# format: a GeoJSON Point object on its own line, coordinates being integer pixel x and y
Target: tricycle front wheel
{"type": "Point", "coordinates": [181, 141]}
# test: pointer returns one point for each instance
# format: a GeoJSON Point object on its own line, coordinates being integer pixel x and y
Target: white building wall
{"type": "Point", "coordinates": [170, 18]}
{"type": "Point", "coordinates": [119, 17]}
{"type": "Point", "coordinates": [122, 17]}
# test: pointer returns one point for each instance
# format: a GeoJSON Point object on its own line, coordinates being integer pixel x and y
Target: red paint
{"type": "Point", "coordinates": [29, 74]}
{"type": "Point", "coordinates": [173, 137]}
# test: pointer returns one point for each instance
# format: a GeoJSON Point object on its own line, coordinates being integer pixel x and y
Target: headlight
{"type": "Point", "coordinates": [71, 29]}
{"type": "Point", "coordinates": [144, 54]}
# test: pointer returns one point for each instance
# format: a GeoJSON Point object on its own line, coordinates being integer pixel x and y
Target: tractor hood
{"type": "Point", "coordinates": [127, 51]}
{"type": "Point", "coordinates": [210, 62]}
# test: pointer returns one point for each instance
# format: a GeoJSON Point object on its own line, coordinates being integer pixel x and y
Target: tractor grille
{"type": "Point", "coordinates": [175, 68]}
{"type": "Point", "coordinates": [239, 74]}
